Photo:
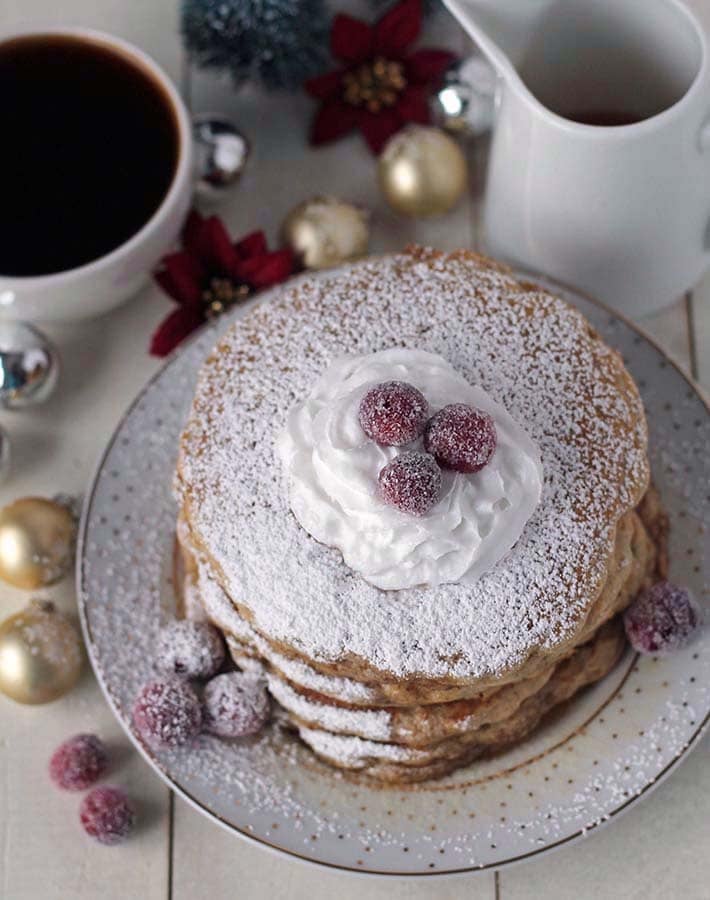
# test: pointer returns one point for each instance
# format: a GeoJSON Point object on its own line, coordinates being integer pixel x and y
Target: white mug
{"type": "Point", "coordinates": [107, 281]}
{"type": "Point", "coordinates": [620, 211]}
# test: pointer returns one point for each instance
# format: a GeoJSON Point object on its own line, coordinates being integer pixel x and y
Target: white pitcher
{"type": "Point", "coordinates": [619, 210]}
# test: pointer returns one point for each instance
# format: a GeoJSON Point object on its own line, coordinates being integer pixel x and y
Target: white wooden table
{"type": "Point", "coordinates": [658, 850]}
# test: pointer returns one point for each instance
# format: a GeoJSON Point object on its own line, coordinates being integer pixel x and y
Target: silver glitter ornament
{"type": "Point", "coordinates": [29, 366]}
{"type": "Point", "coordinates": [464, 104]}
{"type": "Point", "coordinates": [221, 153]}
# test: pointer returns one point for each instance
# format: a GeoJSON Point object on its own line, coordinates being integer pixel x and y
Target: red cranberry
{"type": "Point", "coordinates": [661, 619]}
{"type": "Point", "coordinates": [411, 482]}
{"type": "Point", "coordinates": [461, 437]}
{"type": "Point", "coordinates": [189, 649]}
{"type": "Point", "coordinates": [167, 713]}
{"type": "Point", "coordinates": [107, 815]}
{"type": "Point", "coordinates": [78, 762]}
{"type": "Point", "coordinates": [393, 413]}
{"type": "Point", "coordinates": [236, 705]}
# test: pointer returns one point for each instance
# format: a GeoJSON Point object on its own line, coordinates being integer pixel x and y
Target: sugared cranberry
{"type": "Point", "coordinates": [460, 437]}
{"type": "Point", "coordinates": [411, 482]}
{"type": "Point", "coordinates": [167, 713]}
{"type": "Point", "coordinates": [236, 705]}
{"type": "Point", "coordinates": [107, 815]}
{"type": "Point", "coordinates": [78, 763]}
{"type": "Point", "coordinates": [661, 619]}
{"type": "Point", "coordinates": [189, 649]}
{"type": "Point", "coordinates": [393, 413]}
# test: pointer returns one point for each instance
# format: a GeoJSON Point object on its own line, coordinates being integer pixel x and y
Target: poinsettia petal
{"type": "Point", "coordinates": [333, 120]}
{"type": "Point", "coordinates": [323, 87]}
{"type": "Point", "coordinates": [413, 105]}
{"type": "Point", "coordinates": [181, 277]}
{"type": "Point", "coordinates": [263, 271]}
{"type": "Point", "coordinates": [253, 244]}
{"type": "Point", "coordinates": [174, 329]}
{"type": "Point", "coordinates": [378, 128]}
{"type": "Point", "coordinates": [427, 65]}
{"type": "Point", "coordinates": [192, 233]}
{"type": "Point", "coordinates": [219, 252]}
{"type": "Point", "coordinates": [398, 28]}
{"type": "Point", "coordinates": [350, 39]}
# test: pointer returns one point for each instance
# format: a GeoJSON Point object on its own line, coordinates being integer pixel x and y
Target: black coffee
{"type": "Point", "coordinates": [88, 150]}
{"type": "Point", "coordinates": [608, 118]}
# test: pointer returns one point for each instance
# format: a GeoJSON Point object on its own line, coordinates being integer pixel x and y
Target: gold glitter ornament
{"type": "Point", "coordinates": [325, 232]}
{"type": "Point", "coordinates": [40, 654]}
{"type": "Point", "coordinates": [422, 171]}
{"type": "Point", "coordinates": [37, 540]}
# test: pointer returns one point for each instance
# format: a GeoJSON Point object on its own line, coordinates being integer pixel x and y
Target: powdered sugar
{"type": "Point", "coordinates": [236, 704]}
{"type": "Point", "coordinates": [189, 649]}
{"type": "Point", "coordinates": [530, 351]}
{"type": "Point", "coordinates": [371, 723]}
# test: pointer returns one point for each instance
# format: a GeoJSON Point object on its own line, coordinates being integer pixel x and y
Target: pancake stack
{"type": "Point", "coordinates": [409, 685]}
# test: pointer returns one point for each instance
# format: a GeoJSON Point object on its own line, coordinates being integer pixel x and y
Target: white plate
{"type": "Point", "coordinates": [609, 747]}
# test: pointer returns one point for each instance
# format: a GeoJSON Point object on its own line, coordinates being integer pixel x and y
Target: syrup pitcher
{"type": "Point", "coordinates": [600, 160]}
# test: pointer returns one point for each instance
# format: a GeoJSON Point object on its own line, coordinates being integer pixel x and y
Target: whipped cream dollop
{"type": "Point", "coordinates": [332, 468]}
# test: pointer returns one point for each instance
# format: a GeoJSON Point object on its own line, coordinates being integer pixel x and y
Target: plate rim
{"type": "Point", "coordinates": [522, 274]}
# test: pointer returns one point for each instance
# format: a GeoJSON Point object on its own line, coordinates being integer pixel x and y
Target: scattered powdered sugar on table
{"type": "Point", "coordinates": [530, 351]}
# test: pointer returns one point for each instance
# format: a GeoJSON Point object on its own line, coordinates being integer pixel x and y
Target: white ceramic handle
{"type": "Point", "coordinates": [704, 136]}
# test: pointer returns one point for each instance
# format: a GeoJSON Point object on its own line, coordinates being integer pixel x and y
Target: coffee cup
{"type": "Point", "coordinates": [96, 172]}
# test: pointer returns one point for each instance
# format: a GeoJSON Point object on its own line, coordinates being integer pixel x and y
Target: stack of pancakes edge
{"type": "Point", "coordinates": [408, 729]}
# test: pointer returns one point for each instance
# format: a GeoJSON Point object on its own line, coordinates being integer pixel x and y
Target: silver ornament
{"type": "Point", "coordinates": [29, 365]}
{"type": "Point", "coordinates": [465, 102]}
{"type": "Point", "coordinates": [4, 454]}
{"type": "Point", "coordinates": [221, 153]}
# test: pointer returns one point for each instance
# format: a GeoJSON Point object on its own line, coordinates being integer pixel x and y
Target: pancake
{"type": "Point", "coordinates": [409, 684]}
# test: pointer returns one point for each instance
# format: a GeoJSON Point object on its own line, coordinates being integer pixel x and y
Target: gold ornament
{"type": "Point", "coordinates": [37, 539]}
{"type": "Point", "coordinates": [422, 171]}
{"type": "Point", "coordinates": [40, 654]}
{"type": "Point", "coordinates": [324, 232]}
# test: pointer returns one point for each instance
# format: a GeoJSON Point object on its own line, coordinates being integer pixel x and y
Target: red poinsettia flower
{"type": "Point", "coordinates": [381, 85]}
{"type": "Point", "coordinates": [211, 274]}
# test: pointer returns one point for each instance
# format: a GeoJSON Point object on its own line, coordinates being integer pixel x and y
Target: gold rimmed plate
{"type": "Point", "coordinates": [587, 763]}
